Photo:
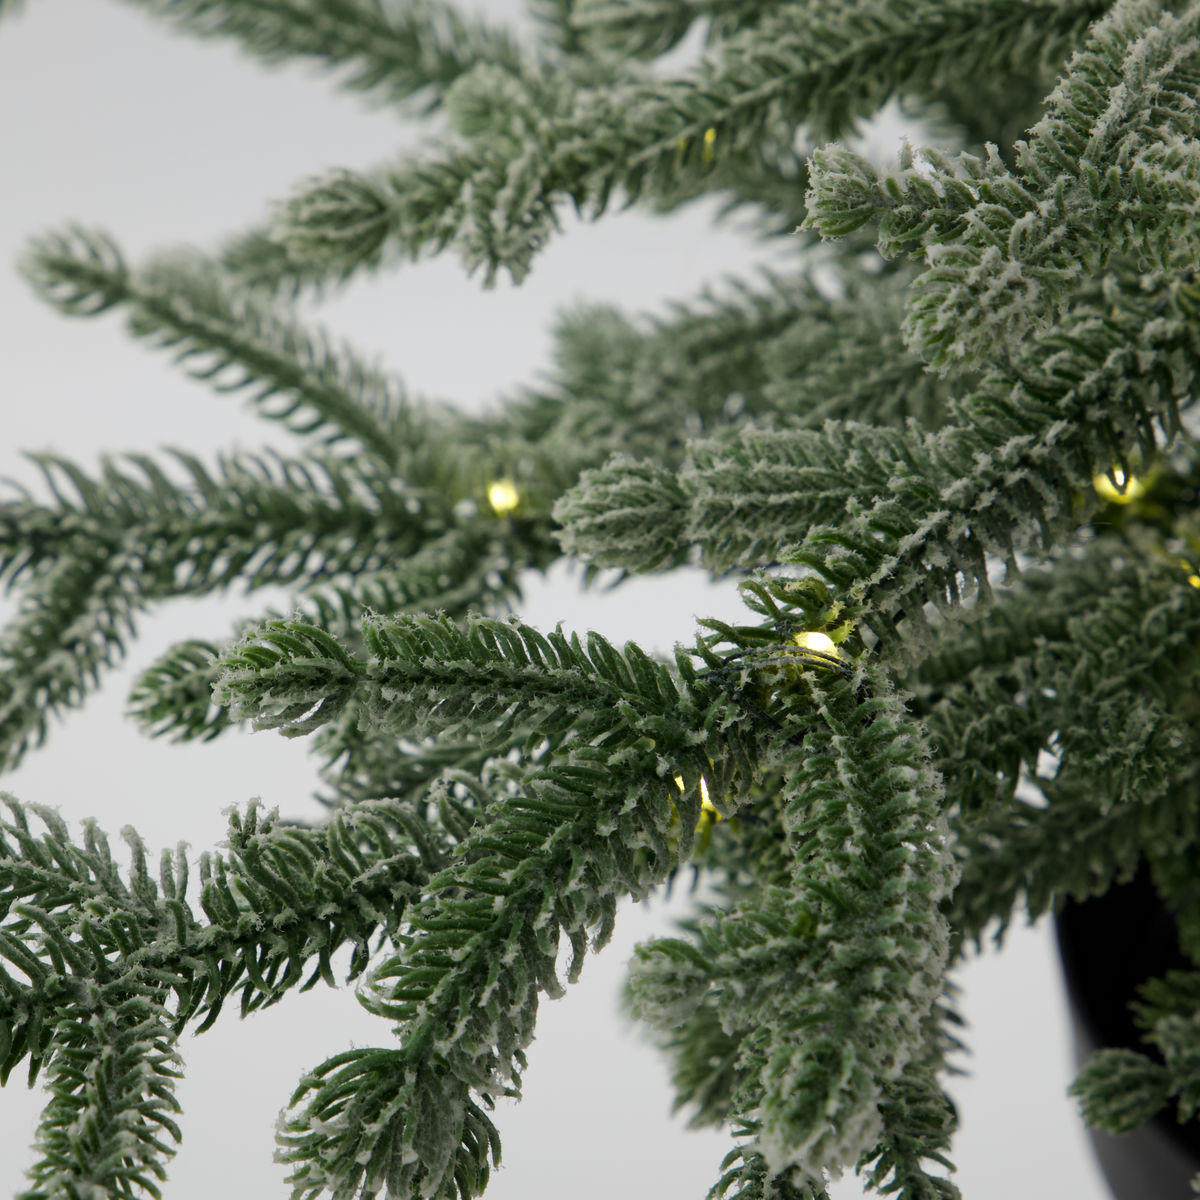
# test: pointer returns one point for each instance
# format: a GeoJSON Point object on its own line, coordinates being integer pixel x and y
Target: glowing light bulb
{"type": "Point", "coordinates": [814, 640]}
{"type": "Point", "coordinates": [1133, 487]}
{"type": "Point", "coordinates": [706, 805]}
{"type": "Point", "coordinates": [706, 153]}
{"type": "Point", "coordinates": [1192, 578]}
{"type": "Point", "coordinates": [503, 496]}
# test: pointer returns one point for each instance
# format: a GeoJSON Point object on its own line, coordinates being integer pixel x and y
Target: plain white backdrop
{"type": "Point", "coordinates": [112, 120]}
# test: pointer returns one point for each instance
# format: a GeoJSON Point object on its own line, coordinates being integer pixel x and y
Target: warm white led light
{"type": "Point", "coordinates": [816, 641]}
{"type": "Point", "coordinates": [503, 496]}
{"type": "Point", "coordinates": [706, 805]}
{"type": "Point", "coordinates": [1133, 487]}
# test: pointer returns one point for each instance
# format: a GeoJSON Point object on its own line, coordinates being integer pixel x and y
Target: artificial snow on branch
{"type": "Point", "coordinates": [949, 460]}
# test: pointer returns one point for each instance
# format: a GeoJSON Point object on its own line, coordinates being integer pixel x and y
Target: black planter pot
{"type": "Point", "coordinates": [1109, 945]}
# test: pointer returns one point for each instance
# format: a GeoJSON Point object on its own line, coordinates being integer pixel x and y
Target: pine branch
{"type": "Point", "coordinates": [1110, 170]}
{"type": "Point", "coordinates": [649, 28]}
{"type": "Point", "coordinates": [283, 897]}
{"type": "Point", "coordinates": [1173, 869]}
{"type": "Point", "coordinates": [783, 349]}
{"type": "Point", "coordinates": [1113, 629]}
{"type": "Point", "coordinates": [174, 695]}
{"type": "Point", "coordinates": [594, 821]}
{"type": "Point", "coordinates": [265, 519]}
{"type": "Point", "coordinates": [544, 140]}
{"type": "Point", "coordinates": [71, 623]}
{"type": "Point", "coordinates": [746, 1176]}
{"type": "Point", "coordinates": [461, 571]}
{"type": "Point", "coordinates": [186, 305]}
{"type": "Point", "coordinates": [831, 1005]}
{"type": "Point", "coordinates": [1119, 1090]}
{"type": "Point", "coordinates": [769, 175]}
{"type": "Point", "coordinates": [850, 363]}
{"type": "Point", "coordinates": [410, 52]}
{"type": "Point", "coordinates": [1069, 848]}
{"type": "Point", "coordinates": [426, 677]}
{"type": "Point", "coordinates": [895, 522]}
{"type": "Point", "coordinates": [644, 387]}
{"type": "Point", "coordinates": [110, 547]}
{"type": "Point", "coordinates": [112, 1087]}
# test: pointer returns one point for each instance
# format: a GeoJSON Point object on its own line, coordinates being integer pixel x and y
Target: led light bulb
{"type": "Point", "coordinates": [706, 805]}
{"type": "Point", "coordinates": [814, 640]}
{"type": "Point", "coordinates": [1133, 487]}
{"type": "Point", "coordinates": [503, 496]}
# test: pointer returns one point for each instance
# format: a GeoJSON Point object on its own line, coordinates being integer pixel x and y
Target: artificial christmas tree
{"type": "Point", "coordinates": [956, 480]}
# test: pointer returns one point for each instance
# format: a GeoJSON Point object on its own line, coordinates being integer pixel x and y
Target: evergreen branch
{"type": "Point", "coordinates": [894, 522]}
{"type": "Point", "coordinates": [174, 695]}
{"type": "Point", "coordinates": [112, 1087]}
{"type": "Point", "coordinates": [185, 304]}
{"type": "Point", "coordinates": [465, 988]}
{"type": "Point", "coordinates": [642, 388]}
{"type": "Point", "coordinates": [531, 145]}
{"type": "Point", "coordinates": [482, 943]}
{"type": "Point", "coordinates": [81, 272]}
{"type": "Point", "coordinates": [1110, 170]}
{"type": "Point", "coordinates": [503, 685]}
{"type": "Point", "coordinates": [629, 514]}
{"type": "Point", "coordinates": [1118, 630]}
{"type": "Point", "coordinates": [1175, 1037]}
{"type": "Point", "coordinates": [1172, 994]}
{"type": "Point", "coordinates": [1119, 1090]}
{"type": "Point", "coordinates": [746, 1176]}
{"type": "Point", "coordinates": [71, 622]}
{"type": "Point", "coordinates": [109, 547]}
{"type": "Point", "coordinates": [649, 28]}
{"type": "Point", "coordinates": [284, 897]}
{"type": "Point", "coordinates": [783, 349]}
{"type": "Point", "coordinates": [290, 676]}
{"type": "Point", "coordinates": [395, 53]}
{"type": "Point", "coordinates": [1173, 870]}
{"type": "Point", "coordinates": [862, 814]}
{"type": "Point", "coordinates": [919, 1121]}
{"type": "Point", "coordinates": [351, 218]}
{"type": "Point", "coordinates": [1069, 848]}
{"type": "Point", "coordinates": [266, 519]}
{"type": "Point", "coordinates": [927, 201]}
{"type": "Point", "coordinates": [850, 362]}
{"type": "Point", "coordinates": [832, 1004]}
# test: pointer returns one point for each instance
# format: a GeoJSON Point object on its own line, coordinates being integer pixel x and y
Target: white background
{"type": "Point", "coordinates": [110, 119]}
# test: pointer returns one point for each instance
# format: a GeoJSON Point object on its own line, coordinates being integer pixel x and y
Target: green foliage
{"type": "Point", "coordinates": [1050, 668]}
{"type": "Point", "coordinates": [394, 53]}
{"type": "Point", "coordinates": [915, 515]}
{"type": "Point", "coordinates": [604, 126]}
{"type": "Point", "coordinates": [591, 821]}
{"type": "Point", "coordinates": [1007, 249]}
{"type": "Point", "coordinates": [186, 305]}
{"type": "Point", "coordinates": [1119, 1090]}
{"type": "Point", "coordinates": [965, 684]}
